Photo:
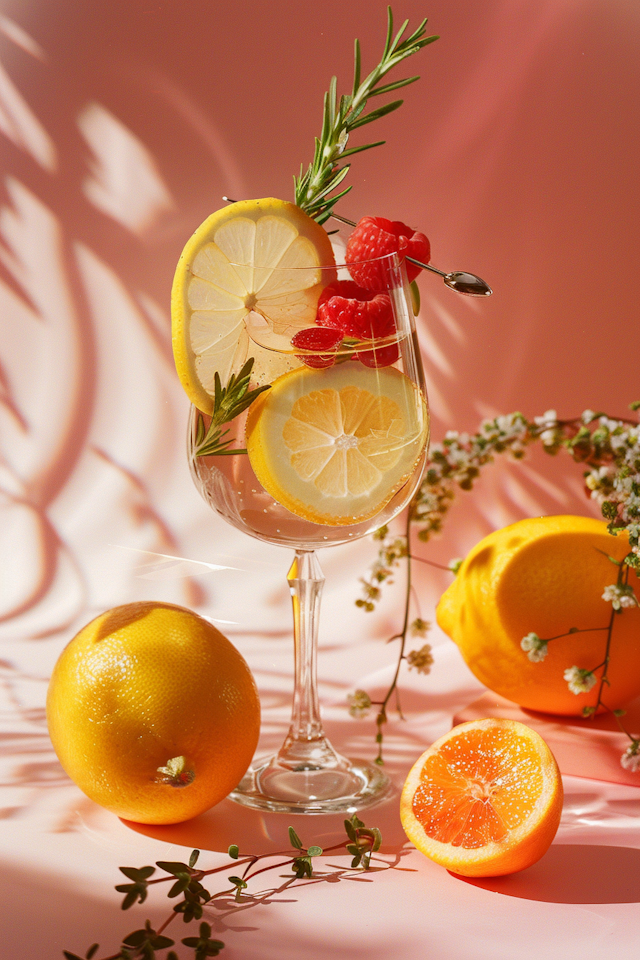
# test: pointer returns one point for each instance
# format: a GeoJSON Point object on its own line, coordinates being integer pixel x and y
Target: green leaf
{"type": "Point", "coordinates": [134, 893]}
{"type": "Point", "coordinates": [173, 867]}
{"type": "Point", "coordinates": [415, 297]}
{"type": "Point", "coordinates": [377, 114]}
{"type": "Point", "coordinates": [387, 42]}
{"type": "Point", "coordinates": [357, 58]}
{"type": "Point", "coordinates": [193, 859]}
{"type": "Point", "coordinates": [294, 839]}
{"type": "Point", "coordinates": [179, 887]}
{"type": "Point", "coordinates": [314, 851]}
{"type": "Point", "coordinates": [161, 943]}
{"type": "Point", "coordinates": [71, 956]}
{"type": "Point", "coordinates": [376, 837]}
{"type": "Point", "coordinates": [137, 873]}
{"type": "Point", "coordinates": [388, 87]}
{"type": "Point", "coordinates": [365, 146]}
{"type": "Point", "coordinates": [233, 851]}
{"type": "Point", "coordinates": [350, 829]}
{"type": "Point", "coordinates": [136, 939]}
{"type": "Point", "coordinates": [91, 951]}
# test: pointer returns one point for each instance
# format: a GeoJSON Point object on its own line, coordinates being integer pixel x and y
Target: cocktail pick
{"type": "Point", "coordinates": [459, 280]}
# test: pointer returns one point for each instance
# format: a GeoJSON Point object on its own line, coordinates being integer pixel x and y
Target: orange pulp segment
{"type": "Point", "coordinates": [485, 799]}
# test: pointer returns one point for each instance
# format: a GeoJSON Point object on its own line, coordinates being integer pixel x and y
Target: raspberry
{"type": "Point", "coordinates": [376, 237]}
{"type": "Point", "coordinates": [345, 310]}
{"type": "Point", "coordinates": [382, 357]}
{"type": "Point", "coordinates": [358, 313]}
{"type": "Point", "coordinates": [317, 338]}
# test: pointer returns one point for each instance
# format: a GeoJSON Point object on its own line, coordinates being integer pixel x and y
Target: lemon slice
{"type": "Point", "coordinates": [243, 261]}
{"type": "Point", "coordinates": [333, 446]}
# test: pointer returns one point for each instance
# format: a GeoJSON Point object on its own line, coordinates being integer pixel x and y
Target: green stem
{"type": "Point", "coordinates": [605, 662]}
{"type": "Point", "coordinates": [570, 633]}
{"type": "Point", "coordinates": [381, 718]}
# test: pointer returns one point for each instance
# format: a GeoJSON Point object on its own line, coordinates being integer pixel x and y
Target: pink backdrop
{"type": "Point", "coordinates": [122, 124]}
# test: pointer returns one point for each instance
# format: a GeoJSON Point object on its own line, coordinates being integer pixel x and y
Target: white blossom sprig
{"type": "Point", "coordinates": [608, 447]}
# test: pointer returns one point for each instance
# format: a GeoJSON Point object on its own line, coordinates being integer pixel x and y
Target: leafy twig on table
{"type": "Point", "coordinates": [186, 882]}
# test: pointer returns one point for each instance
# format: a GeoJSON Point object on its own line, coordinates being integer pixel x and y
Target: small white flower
{"type": "Point", "coordinates": [420, 627]}
{"type": "Point", "coordinates": [588, 416]}
{"type": "Point", "coordinates": [580, 681]}
{"type": "Point", "coordinates": [549, 417]}
{"type": "Point", "coordinates": [536, 649]}
{"type": "Point", "coordinates": [359, 703]}
{"type": "Point", "coordinates": [630, 759]}
{"type": "Point", "coordinates": [455, 563]}
{"type": "Point", "coordinates": [421, 659]}
{"type": "Point", "coordinates": [549, 437]}
{"type": "Point", "coordinates": [620, 595]}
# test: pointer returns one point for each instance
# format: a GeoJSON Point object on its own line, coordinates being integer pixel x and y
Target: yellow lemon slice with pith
{"type": "Point", "coordinates": [253, 259]}
{"type": "Point", "coordinates": [333, 446]}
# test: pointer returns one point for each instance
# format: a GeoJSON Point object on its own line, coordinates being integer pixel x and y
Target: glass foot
{"type": "Point", "coordinates": [344, 787]}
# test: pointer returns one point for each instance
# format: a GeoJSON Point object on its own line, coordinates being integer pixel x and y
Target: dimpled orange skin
{"type": "Point", "coordinates": [544, 575]}
{"type": "Point", "coordinates": [139, 686]}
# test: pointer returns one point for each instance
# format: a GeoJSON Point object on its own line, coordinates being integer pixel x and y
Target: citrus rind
{"type": "Point", "coordinates": [253, 258]}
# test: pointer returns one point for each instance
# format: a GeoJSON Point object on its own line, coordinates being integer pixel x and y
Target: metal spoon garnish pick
{"type": "Point", "coordinates": [460, 281]}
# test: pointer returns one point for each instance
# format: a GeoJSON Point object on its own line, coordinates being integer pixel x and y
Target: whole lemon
{"type": "Point", "coordinates": [544, 575]}
{"type": "Point", "coordinates": [153, 712]}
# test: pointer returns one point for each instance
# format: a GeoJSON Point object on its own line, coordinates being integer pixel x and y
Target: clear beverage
{"type": "Point", "coordinates": [331, 451]}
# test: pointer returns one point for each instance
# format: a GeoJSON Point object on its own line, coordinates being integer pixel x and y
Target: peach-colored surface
{"type": "Point", "coordinates": [122, 123]}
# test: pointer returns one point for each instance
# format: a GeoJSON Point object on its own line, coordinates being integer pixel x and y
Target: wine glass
{"type": "Point", "coordinates": [336, 448]}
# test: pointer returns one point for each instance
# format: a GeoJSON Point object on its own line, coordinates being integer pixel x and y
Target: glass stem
{"type": "Point", "coordinates": [306, 747]}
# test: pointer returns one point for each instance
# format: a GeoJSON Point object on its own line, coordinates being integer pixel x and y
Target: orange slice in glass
{"type": "Point", "coordinates": [333, 446]}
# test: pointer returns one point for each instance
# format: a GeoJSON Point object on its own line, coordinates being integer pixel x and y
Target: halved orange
{"type": "Point", "coordinates": [485, 799]}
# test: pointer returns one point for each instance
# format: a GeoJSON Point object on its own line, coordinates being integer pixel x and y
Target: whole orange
{"type": "Point", "coordinates": [544, 575]}
{"type": "Point", "coordinates": [153, 712]}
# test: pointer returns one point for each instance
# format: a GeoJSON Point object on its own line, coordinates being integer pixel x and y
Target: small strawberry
{"type": "Point", "coordinates": [317, 338]}
{"type": "Point", "coordinates": [358, 313]}
{"type": "Point", "coordinates": [377, 237]}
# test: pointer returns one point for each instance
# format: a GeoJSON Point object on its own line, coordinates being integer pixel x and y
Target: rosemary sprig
{"type": "Point", "coordinates": [325, 174]}
{"type": "Point", "coordinates": [361, 842]}
{"type": "Point", "coordinates": [228, 403]}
